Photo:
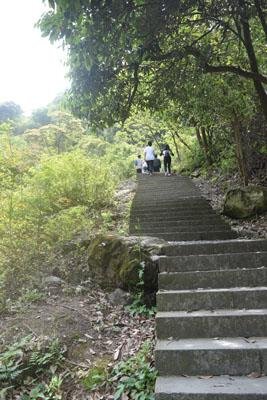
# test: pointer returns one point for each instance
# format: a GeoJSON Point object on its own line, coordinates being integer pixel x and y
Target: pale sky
{"type": "Point", "coordinates": [32, 70]}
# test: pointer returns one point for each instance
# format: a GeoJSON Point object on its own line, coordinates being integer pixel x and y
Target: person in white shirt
{"type": "Point", "coordinates": [149, 157]}
{"type": "Point", "coordinates": [138, 164]}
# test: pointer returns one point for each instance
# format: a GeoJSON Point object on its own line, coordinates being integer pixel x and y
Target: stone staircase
{"type": "Point", "coordinates": [212, 319]}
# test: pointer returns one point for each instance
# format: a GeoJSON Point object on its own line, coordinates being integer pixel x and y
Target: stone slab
{"type": "Point", "coordinates": [210, 299]}
{"type": "Point", "coordinates": [205, 262]}
{"type": "Point", "coordinates": [215, 388]}
{"type": "Point", "coordinates": [215, 247]}
{"type": "Point", "coordinates": [226, 356]}
{"type": "Point", "coordinates": [211, 324]}
{"type": "Point", "coordinates": [213, 279]}
{"type": "Point", "coordinates": [196, 236]}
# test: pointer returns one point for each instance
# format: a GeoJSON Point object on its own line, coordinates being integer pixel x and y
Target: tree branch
{"type": "Point", "coordinates": [234, 70]}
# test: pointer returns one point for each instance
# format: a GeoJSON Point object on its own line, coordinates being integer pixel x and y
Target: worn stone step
{"type": "Point", "coordinates": [215, 388]}
{"type": "Point", "coordinates": [208, 324]}
{"type": "Point", "coordinates": [206, 262]}
{"type": "Point", "coordinates": [195, 236]}
{"type": "Point", "coordinates": [165, 200]}
{"type": "Point", "coordinates": [170, 213]}
{"type": "Point", "coordinates": [173, 211]}
{"type": "Point", "coordinates": [205, 218]}
{"type": "Point", "coordinates": [176, 205]}
{"type": "Point", "coordinates": [152, 194]}
{"type": "Point", "coordinates": [180, 228]}
{"type": "Point", "coordinates": [225, 278]}
{"type": "Point", "coordinates": [196, 220]}
{"type": "Point", "coordinates": [210, 299]}
{"type": "Point", "coordinates": [216, 247]}
{"type": "Point", "coordinates": [226, 356]}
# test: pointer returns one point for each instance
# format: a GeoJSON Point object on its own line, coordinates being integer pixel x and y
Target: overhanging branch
{"type": "Point", "coordinates": [234, 70]}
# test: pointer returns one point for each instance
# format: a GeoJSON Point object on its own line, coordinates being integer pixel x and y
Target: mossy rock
{"type": "Point", "coordinates": [114, 261]}
{"type": "Point", "coordinates": [244, 202]}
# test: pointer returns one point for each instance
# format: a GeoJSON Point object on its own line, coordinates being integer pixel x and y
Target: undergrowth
{"type": "Point", "coordinates": [138, 307]}
{"type": "Point", "coordinates": [30, 369]}
{"type": "Point", "coordinates": [132, 379]}
{"type": "Point", "coordinates": [136, 377]}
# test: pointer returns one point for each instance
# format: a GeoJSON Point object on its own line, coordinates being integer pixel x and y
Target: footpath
{"type": "Point", "coordinates": [211, 323]}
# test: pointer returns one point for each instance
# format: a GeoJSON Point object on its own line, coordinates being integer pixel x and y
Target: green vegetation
{"type": "Point", "coordinates": [136, 376]}
{"type": "Point", "coordinates": [30, 367]}
{"type": "Point", "coordinates": [57, 181]}
{"type": "Point", "coordinates": [188, 73]}
{"type": "Point", "coordinates": [138, 306]}
{"type": "Point", "coordinates": [198, 67]}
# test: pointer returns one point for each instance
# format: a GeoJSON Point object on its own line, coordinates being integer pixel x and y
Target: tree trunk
{"type": "Point", "coordinates": [202, 140]}
{"type": "Point", "coordinates": [176, 146]}
{"type": "Point", "coordinates": [240, 154]}
{"type": "Point", "coordinates": [206, 145]}
{"type": "Point", "coordinates": [199, 138]}
{"type": "Point", "coordinates": [251, 56]}
{"type": "Point", "coordinates": [261, 16]}
{"type": "Point", "coordinates": [182, 141]}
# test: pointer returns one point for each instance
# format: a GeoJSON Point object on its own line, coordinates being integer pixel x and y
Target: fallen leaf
{"type": "Point", "coordinates": [254, 375]}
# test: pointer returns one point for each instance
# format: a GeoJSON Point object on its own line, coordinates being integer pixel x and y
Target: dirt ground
{"type": "Point", "coordinates": [89, 326]}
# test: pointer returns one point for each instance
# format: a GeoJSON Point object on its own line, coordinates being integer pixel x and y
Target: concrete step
{"type": "Point", "coordinates": [195, 236]}
{"type": "Point", "coordinates": [211, 324]}
{"type": "Point", "coordinates": [152, 194]}
{"type": "Point", "coordinates": [225, 278]}
{"type": "Point", "coordinates": [207, 262]}
{"type": "Point", "coordinates": [216, 247]}
{"type": "Point", "coordinates": [172, 212]}
{"type": "Point", "coordinates": [164, 200]}
{"type": "Point", "coordinates": [210, 299]}
{"type": "Point", "coordinates": [226, 356]}
{"type": "Point", "coordinates": [205, 218]}
{"type": "Point", "coordinates": [215, 388]}
{"type": "Point", "coordinates": [180, 228]}
{"type": "Point", "coordinates": [214, 219]}
{"type": "Point", "coordinates": [174, 205]}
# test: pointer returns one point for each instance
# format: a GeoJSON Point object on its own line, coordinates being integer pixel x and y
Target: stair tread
{"type": "Point", "coordinates": [211, 313]}
{"type": "Point", "coordinates": [227, 343]}
{"type": "Point", "coordinates": [220, 271]}
{"type": "Point", "coordinates": [215, 385]}
{"type": "Point", "coordinates": [214, 290]}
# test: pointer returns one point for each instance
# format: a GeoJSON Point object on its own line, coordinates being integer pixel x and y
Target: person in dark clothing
{"type": "Point", "coordinates": [167, 153]}
{"type": "Point", "coordinates": [156, 164]}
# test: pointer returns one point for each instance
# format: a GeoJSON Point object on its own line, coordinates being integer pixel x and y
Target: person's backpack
{"type": "Point", "coordinates": [167, 153]}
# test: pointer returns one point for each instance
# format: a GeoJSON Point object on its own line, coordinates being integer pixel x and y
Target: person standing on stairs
{"type": "Point", "coordinates": [167, 160]}
{"type": "Point", "coordinates": [156, 164]}
{"type": "Point", "coordinates": [149, 157]}
{"type": "Point", "coordinates": [138, 164]}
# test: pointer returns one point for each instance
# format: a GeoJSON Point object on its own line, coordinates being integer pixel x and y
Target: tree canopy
{"type": "Point", "coordinates": [139, 52]}
{"type": "Point", "coordinates": [9, 110]}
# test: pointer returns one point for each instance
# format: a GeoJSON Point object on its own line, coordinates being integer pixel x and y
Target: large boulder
{"type": "Point", "coordinates": [243, 202]}
{"type": "Point", "coordinates": [113, 261]}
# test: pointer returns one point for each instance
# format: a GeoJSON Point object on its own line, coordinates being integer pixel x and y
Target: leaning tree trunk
{"type": "Point", "coordinates": [176, 146]}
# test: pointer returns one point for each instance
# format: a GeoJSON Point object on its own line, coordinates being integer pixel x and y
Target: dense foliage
{"type": "Point", "coordinates": [126, 52]}
{"type": "Point", "coordinates": [199, 65]}
{"type": "Point", "coordinates": [56, 182]}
